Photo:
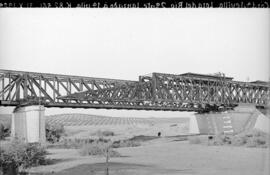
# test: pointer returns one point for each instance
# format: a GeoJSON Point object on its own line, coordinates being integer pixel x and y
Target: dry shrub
{"type": "Point", "coordinates": [92, 149]}
{"type": "Point", "coordinates": [125, 143]}
{"type": "Point", "coordinates": [105, 133]}
{"type": "Point", "coordinates": [129, 143]}
{"type": "Point", "coordinates": [257, 139]}
{"type": "Point", "coordinates": [4, 131]}
{"type": "Point", "coordinates": [256, 142]}
{"type": "Point", "coordinates": [221, 139]}
{"type": "Point", "coordinates": [70, 143]}
{"type": "Point", "coordinates": [133, 142]}
{"type": "Point", "coordinates": [54, 132]}
{"type": "Point", "coordinates": [98, 148]}
{"type": "Point", "coordinates": [253, 138]}
{"type": "Point", "coordinates": [76, 143]}
{"type": "Point", "coordinates": [239, 140]}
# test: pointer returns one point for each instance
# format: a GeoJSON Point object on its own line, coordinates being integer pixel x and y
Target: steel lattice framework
{"type": "Point", "coordinates": [158, 91]}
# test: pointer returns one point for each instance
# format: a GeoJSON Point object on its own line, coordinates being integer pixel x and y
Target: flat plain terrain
{"type": "Point", "coordinates": [167, 155]}
{"type": "Point", "coordinates": [164, 156]}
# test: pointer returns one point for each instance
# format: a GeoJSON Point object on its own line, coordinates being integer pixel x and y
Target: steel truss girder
{"type": "Point", "coordinates": [156, 92]}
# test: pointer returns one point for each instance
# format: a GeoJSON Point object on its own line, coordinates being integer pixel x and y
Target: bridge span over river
{"type": "Point", "coordinates": [156, 91]}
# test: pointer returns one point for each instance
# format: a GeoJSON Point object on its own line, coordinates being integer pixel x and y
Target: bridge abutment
{"type": "Point", "coordinates": [28, 123]}
{"type": "Point", "coordinates": [243, 118]}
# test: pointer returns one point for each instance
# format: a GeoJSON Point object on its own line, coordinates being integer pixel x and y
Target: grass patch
{"type": "Point", "coordinates": [99, 149]}
{"type": "Point", "coordinates": [79, 143]}
{"type": "Point", "coordinates": [75, 143]}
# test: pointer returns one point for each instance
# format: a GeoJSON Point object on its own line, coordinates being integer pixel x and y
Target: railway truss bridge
{"type": "Point", "coordinates": [32, 92]}
{"type": "Point", "coordinates": [156, 91]}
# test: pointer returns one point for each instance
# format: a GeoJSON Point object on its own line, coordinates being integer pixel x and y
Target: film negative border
{"type": "Point", "coordinates": [135, 4]}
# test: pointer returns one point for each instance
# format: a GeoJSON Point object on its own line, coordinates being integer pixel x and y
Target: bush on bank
{"type": "Point", "coordinates": [54, 132]}
{"type": "Point", "coordinates": [4, 131]}
{"type": "Point", "coordinates": [18, 154]}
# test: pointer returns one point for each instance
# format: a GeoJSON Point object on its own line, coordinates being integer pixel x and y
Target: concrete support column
{"type": "Point", "coordinates": [28, 123]}
{"type": "Point", "coordinates": [243, 118]}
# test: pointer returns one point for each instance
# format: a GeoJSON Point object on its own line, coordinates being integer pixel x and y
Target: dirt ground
{"type": "Point", "coordinates": [163, 156]}
{"type": "Point", "coordinates": [125, 131]}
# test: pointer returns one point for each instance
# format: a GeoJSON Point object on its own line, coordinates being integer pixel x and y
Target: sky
{"type": "Point", "coordinates": [127, 43]}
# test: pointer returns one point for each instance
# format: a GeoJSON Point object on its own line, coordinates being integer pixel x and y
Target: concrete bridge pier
{"type": "Point", "coordinates": [28, 123]}
{"type": "Point", "coordinates": [242, 119]}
